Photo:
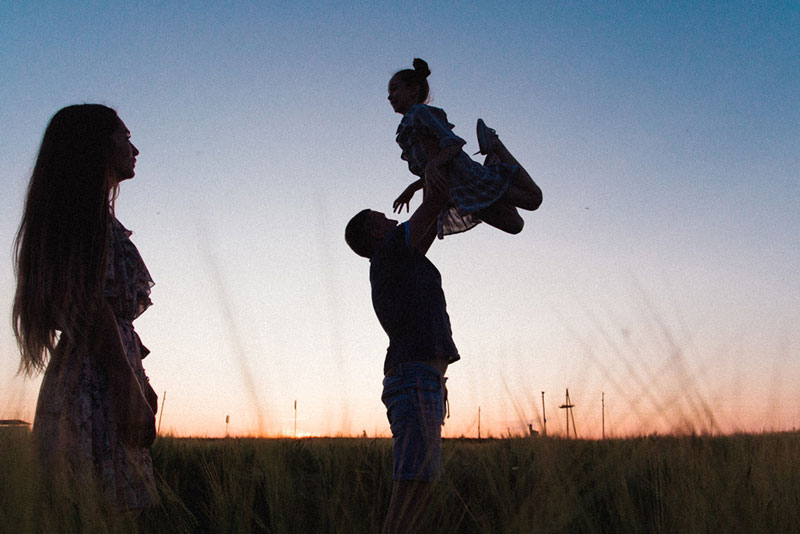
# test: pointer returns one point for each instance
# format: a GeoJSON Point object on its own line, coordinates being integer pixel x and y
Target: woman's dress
{"type": "Point", "coordinates": [74, 425]}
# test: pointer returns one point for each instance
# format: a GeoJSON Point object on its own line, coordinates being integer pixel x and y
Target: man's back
{"type": "Point", "coordinates": [408, 299]}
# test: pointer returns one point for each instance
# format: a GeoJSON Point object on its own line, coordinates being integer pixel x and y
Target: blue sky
{"type": "Point", "coordinates": [661, 269]}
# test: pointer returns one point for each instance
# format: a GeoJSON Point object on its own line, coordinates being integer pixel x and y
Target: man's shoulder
{"type": "Point", "coordinates": [398, 237]}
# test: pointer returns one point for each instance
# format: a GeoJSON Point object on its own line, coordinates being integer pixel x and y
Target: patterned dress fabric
{"type": "Point", "coordinates": [74, 423]}
{"type": "Point", "coordinates": [422, 132]}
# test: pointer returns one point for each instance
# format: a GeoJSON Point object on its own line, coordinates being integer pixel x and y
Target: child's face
{"type": "Point", "coordinates": [401, 95]}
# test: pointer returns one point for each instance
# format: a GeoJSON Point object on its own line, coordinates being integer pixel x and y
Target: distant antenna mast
{"type": "Point", "coordinates": [479, 422]}
{"type": "Point", "coordinates": [227, 420]}
{"type": "Point", "coordinates": [295, 418]}
{"type": "Point", "coordinates": [163, 401]}
{"type": "Point", "coordinates": [570, 415]}
{"type": "Point", "coordinates": [544, 418]}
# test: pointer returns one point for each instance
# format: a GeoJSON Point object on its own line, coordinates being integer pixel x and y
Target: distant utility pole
{"type": "Point", "coordinates": [295, 418]}
{"type": "Point", "coordinates": [163, 401]}
{"type": "Point", "coordinates": [544, 418]}
{"type": "Point", "coordinates": [479, 422]}
{"type": "Point", "coordinates": [568, 407]}
{"type": "Point", "coordinates": [227, 420]}
{"type": "Point", "coordinates": [603, 401]}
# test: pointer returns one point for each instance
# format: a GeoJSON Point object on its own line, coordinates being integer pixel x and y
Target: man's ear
{"type": "Point", "coordinates": [376, 233]}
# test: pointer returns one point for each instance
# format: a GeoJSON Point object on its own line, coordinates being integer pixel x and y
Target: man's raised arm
{"type": "Point", "coordinates": [422, 224]}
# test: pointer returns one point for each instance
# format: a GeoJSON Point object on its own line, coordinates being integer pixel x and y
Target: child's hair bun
{"type": "Point", "coordinates": [421, 67]}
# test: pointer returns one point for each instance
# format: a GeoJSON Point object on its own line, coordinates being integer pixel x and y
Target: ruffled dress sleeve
{"type": "Point", "coordinates": [128, 281]}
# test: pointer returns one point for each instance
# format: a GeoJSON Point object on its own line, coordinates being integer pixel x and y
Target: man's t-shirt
{"type": "Point", "coordinates": [408, 299]}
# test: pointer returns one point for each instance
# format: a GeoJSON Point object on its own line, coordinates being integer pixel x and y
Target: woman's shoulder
{"type": "Point", "coordinates": [118, 228]}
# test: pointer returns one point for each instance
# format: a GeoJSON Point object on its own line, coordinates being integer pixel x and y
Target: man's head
{"type": "Point", "coordinates": [366, 230]}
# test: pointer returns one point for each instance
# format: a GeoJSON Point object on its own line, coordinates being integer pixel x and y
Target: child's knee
{"type": "Point", "coordinates": [537, 201]}
{"type": "Point", "coordinates": [533, 201]}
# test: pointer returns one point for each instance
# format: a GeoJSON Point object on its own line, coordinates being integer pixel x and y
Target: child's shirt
{"type": "Point", "coordinates": [420, 122]}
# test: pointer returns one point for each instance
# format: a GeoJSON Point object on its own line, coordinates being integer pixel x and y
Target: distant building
{"type": "Point", "coordinates": [14, 423]}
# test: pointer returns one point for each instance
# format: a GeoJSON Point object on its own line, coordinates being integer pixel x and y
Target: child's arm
{"type": "Point", "coordinates": [440, 143]}
{"type": "Point", "coordinates": [405, 197]}
{"type": "Point", "coordinates": [436, 164]}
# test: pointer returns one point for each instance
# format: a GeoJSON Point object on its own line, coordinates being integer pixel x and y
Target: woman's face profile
{"type": "Point", "coordinates": [123, 153]}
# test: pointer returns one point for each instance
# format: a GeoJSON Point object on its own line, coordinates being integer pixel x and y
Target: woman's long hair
{"type": "Point", "coordinates": [60, 248]}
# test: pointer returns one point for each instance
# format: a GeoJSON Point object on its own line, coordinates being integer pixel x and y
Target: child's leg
{"type": "Point", "coordinates": [502, 216]}
{"type": "Point", "coordinates": [523, 192]}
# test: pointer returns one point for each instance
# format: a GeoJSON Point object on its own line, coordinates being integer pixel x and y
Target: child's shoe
{"type": "Point", "coordinates": [486, 137]}
{"type": "Point", "coordinates": [492, 158]}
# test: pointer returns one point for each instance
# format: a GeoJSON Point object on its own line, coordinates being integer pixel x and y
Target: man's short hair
{"type": "Point", "coordinates": [358, 236]}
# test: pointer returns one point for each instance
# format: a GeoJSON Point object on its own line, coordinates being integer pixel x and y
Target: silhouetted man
{"type": "Point", "coordinates": [408, 299]}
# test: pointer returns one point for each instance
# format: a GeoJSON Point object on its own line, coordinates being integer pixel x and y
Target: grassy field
{"type": "Point", "coordinates": [730, 484]}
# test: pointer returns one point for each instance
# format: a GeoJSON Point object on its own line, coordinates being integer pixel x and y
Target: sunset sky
{"type": "Point", "coordinates": [662, 270]}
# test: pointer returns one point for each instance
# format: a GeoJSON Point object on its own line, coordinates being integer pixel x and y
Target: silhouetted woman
{"type": "Point", "coordinates": [80, 284]}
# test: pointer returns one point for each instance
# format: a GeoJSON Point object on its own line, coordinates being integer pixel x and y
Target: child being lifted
{"type": "Point", "coordinates": [491, 192]}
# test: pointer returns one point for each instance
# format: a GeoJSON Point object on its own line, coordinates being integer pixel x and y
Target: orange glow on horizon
{"type": "Point", "coordinates": [587, 427]}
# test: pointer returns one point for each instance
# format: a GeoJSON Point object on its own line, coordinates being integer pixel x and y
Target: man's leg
{"type": "Point", "coordinates": [408, 507]}
{"type": "Point", "coordinates": [415, 408]}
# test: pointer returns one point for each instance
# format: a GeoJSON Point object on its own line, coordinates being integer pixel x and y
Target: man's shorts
{"type": "Point", "coordinates": [415, 397]}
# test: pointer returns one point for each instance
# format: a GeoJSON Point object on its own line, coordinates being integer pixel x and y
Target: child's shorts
{"type": "Point", "coordinates": [415, 397]}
